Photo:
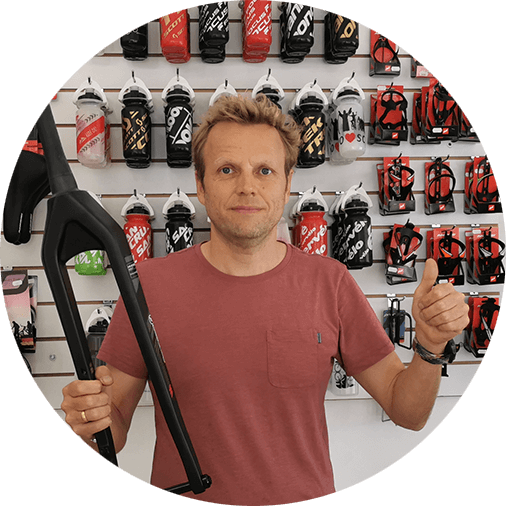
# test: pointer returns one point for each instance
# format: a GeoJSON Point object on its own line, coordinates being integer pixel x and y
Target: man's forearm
{"type": "Point", "coordinates": [414, 392]}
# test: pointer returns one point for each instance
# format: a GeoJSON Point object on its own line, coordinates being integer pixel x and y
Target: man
{"type": "Point", "coordinates": [249, 327]}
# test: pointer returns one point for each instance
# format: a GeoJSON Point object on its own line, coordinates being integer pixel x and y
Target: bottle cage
{"type": "Point", "coordinates": [488, 263]}
{"type": "Point", "coordinates": [399, 187]}
{"type": "Point", "coordinates": [393, 323]}
{"type": "Point", "coordinates": [390, 104]}
{"type": "Point", "coordinates": [483, 193]}
{"type": "Point", "coordinates": [406, 242]}
{"type": "Point", "coordinates": [484, 330]}
{"type": "Point", "coordinates": [439, 105]}
{"type": "Point", "coordinates": [382, 50]}
{"type": "Point", "coordinates": [448, 261]}
{"type": "Point", "coordinates": [441, 171]}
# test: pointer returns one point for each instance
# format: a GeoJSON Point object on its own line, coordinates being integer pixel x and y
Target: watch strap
{"type": "Point", "coordinates": [447, 357]}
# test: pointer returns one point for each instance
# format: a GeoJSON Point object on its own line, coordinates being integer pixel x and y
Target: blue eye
{"type": "Point", "coordinates": [266, 171]}
{"type": "Point", "coordinates": [226, 170]}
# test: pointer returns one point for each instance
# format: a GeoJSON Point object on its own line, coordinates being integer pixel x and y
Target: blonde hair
{"type": "Point", "coordinates": [244, 111]}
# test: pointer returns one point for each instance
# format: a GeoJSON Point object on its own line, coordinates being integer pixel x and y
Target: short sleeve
{"type": "Point", "coordinates": [120, 348]}
{"type": "Point", "coordinates": [362, 340]}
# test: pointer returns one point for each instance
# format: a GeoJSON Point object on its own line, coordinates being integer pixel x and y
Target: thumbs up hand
{"type": "Point", "coordinates": [440, 311]}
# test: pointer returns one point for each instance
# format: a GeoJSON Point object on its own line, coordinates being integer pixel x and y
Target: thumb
{"type": "Point", "coordinates": [103, 374]}
{"type": "Point", "coordinates": [429, 278]}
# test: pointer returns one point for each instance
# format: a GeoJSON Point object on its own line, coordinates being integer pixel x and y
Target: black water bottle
{"type": "Point", "coordinates": [213, 31]}
{"type": "Point", "coordinates": [136, 125]}
{"type": "Point", "coordinates": [357, 234]}
{"type": "Point", "coordinates": [311, 116]}
{"type": "Point", "coordinates": [296, 32]}
{"type": "Point", "coordinates": [272, 94]}
{"type": "Point", "coordinates": [178, 128]}
{"type": "Point", "coordinates": [135, 44]}
{"type": "Point", "coordinates": [178, 229]}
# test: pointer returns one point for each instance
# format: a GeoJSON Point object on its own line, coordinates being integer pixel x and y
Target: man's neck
{"type": "Point", "coordinates": [237, 260]}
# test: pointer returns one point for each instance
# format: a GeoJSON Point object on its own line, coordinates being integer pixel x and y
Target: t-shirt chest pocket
{"type": "Point", "coordinates": [292, 357]}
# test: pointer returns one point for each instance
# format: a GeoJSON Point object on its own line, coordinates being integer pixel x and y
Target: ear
{"type": "Point", "coordinates": [200, 190]}
{"type": "Point", "coordinates": [288, 186]}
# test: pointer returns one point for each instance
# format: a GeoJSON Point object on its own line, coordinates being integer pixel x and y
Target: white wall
{"type": "Point", "coordinates": [356, 454]}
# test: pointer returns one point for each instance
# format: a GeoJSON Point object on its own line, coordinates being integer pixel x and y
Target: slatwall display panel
{"type": "Point", "coordinates": [51, 363]}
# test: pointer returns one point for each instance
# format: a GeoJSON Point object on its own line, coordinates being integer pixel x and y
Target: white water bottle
{"type": "Point", "coordinates": [348, 118]}
{"type": "Point", "coordinates": [92, 126]}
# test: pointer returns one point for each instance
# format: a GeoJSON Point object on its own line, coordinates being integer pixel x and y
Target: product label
{"type": "Point", "coordinates": [90, 131]}
{"type": "Point", "coordinates": [139, 240]}
{"type": "Point", "coordinates": [136, 130]}
{"type": "Point", "coordinates": [179, 125]}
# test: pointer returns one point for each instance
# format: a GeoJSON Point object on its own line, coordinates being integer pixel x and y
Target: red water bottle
{"type": "Point", "coordinates": [175, 36]}
{"type": "Point", "coordinates": [138, 214]}
{"type": "Point", "coordinates": [257, 30]}
{"type": "Point", "coordinates": [313, 230]}
{"type": "Point", "coordinates": [312, 224]}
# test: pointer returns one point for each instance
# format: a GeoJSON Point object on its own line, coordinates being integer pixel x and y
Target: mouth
{"type": "Point", "coordinates": [246, 209]}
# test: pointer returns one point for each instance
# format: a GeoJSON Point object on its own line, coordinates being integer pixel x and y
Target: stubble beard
{"type": "Point", "coordinates": [245, 238]}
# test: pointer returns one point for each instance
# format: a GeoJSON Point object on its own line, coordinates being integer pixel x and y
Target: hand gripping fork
{"type": "Point", "coordinates": [76, 222]}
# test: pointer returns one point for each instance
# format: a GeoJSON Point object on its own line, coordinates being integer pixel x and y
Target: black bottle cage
{"type": "Point", "coordinates": [434, 185]}
{"type": "Point", "coordinates": [396, 189]}
{"type": "Point", "coordinates": [407, 242]}
{"type": "Point", "coordinates": [447, 260]}
{"type": "Point", "coordinates": [389, 104]}
{"type": "Point", "coordinates": [384, 43]}
{"type": "Point", "coordinates": [484, 331]}
{"type": "Point", "coordinates": [439, 105]}
{"type": "Point", "coordinates": [487, 262]}
{"type": "Point", "coordinates": [482, 184]}
{"type": "Point", "coordinates": [76, 222]}
{"type": "Point", "coordinates": [393, 319]}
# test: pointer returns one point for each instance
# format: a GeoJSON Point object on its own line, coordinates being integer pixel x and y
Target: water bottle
{"type": "Point", "coordinates": [296, 30]}
{"type": "Point", "coordinates": [178, 211]}
{"type": "Point", "coordinates": [138, 213]}
{"type": "Point", "coordinates": [309, 111]}
{"type": "Point", "coordinates": [312, 227]}
{"type": "Point", "coordinates": [352, 229]}
{"type": "Point", "coordinates": [96, 328]}
{"type": "Point", "coordinates": [175, 37]}
{"type": "Point", "coordinates": [213, 31]}
{"type": "Point", "coordinates": [256, 30]}
{"type": "Point", "coordinates": [135, 44]}
{"type": "Point", "coordinates": [179, 100]}
{"type": "Point", "coordinates": [136, 123]}
{"type": "Point", "coordinates": [92, 125]}
{"type": "Point", "coordinates": [268, 86]}
{"type": "Point", "coordinates": [223, 90]}
{"type": "Point", "coordinates": [348, 116]}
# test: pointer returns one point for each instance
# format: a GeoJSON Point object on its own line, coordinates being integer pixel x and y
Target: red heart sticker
{"type": "Point", "coordinates": [350, 137]}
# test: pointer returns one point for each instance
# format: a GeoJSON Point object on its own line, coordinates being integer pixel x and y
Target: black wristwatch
{"type": "Point", "coordinates": [447, 357]}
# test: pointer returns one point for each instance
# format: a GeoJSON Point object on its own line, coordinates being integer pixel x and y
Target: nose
{"type": "Point", "coordinates": [246, 184]}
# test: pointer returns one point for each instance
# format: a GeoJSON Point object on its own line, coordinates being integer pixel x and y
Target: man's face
{"type": "Point", "coordinates": [245, 188]}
